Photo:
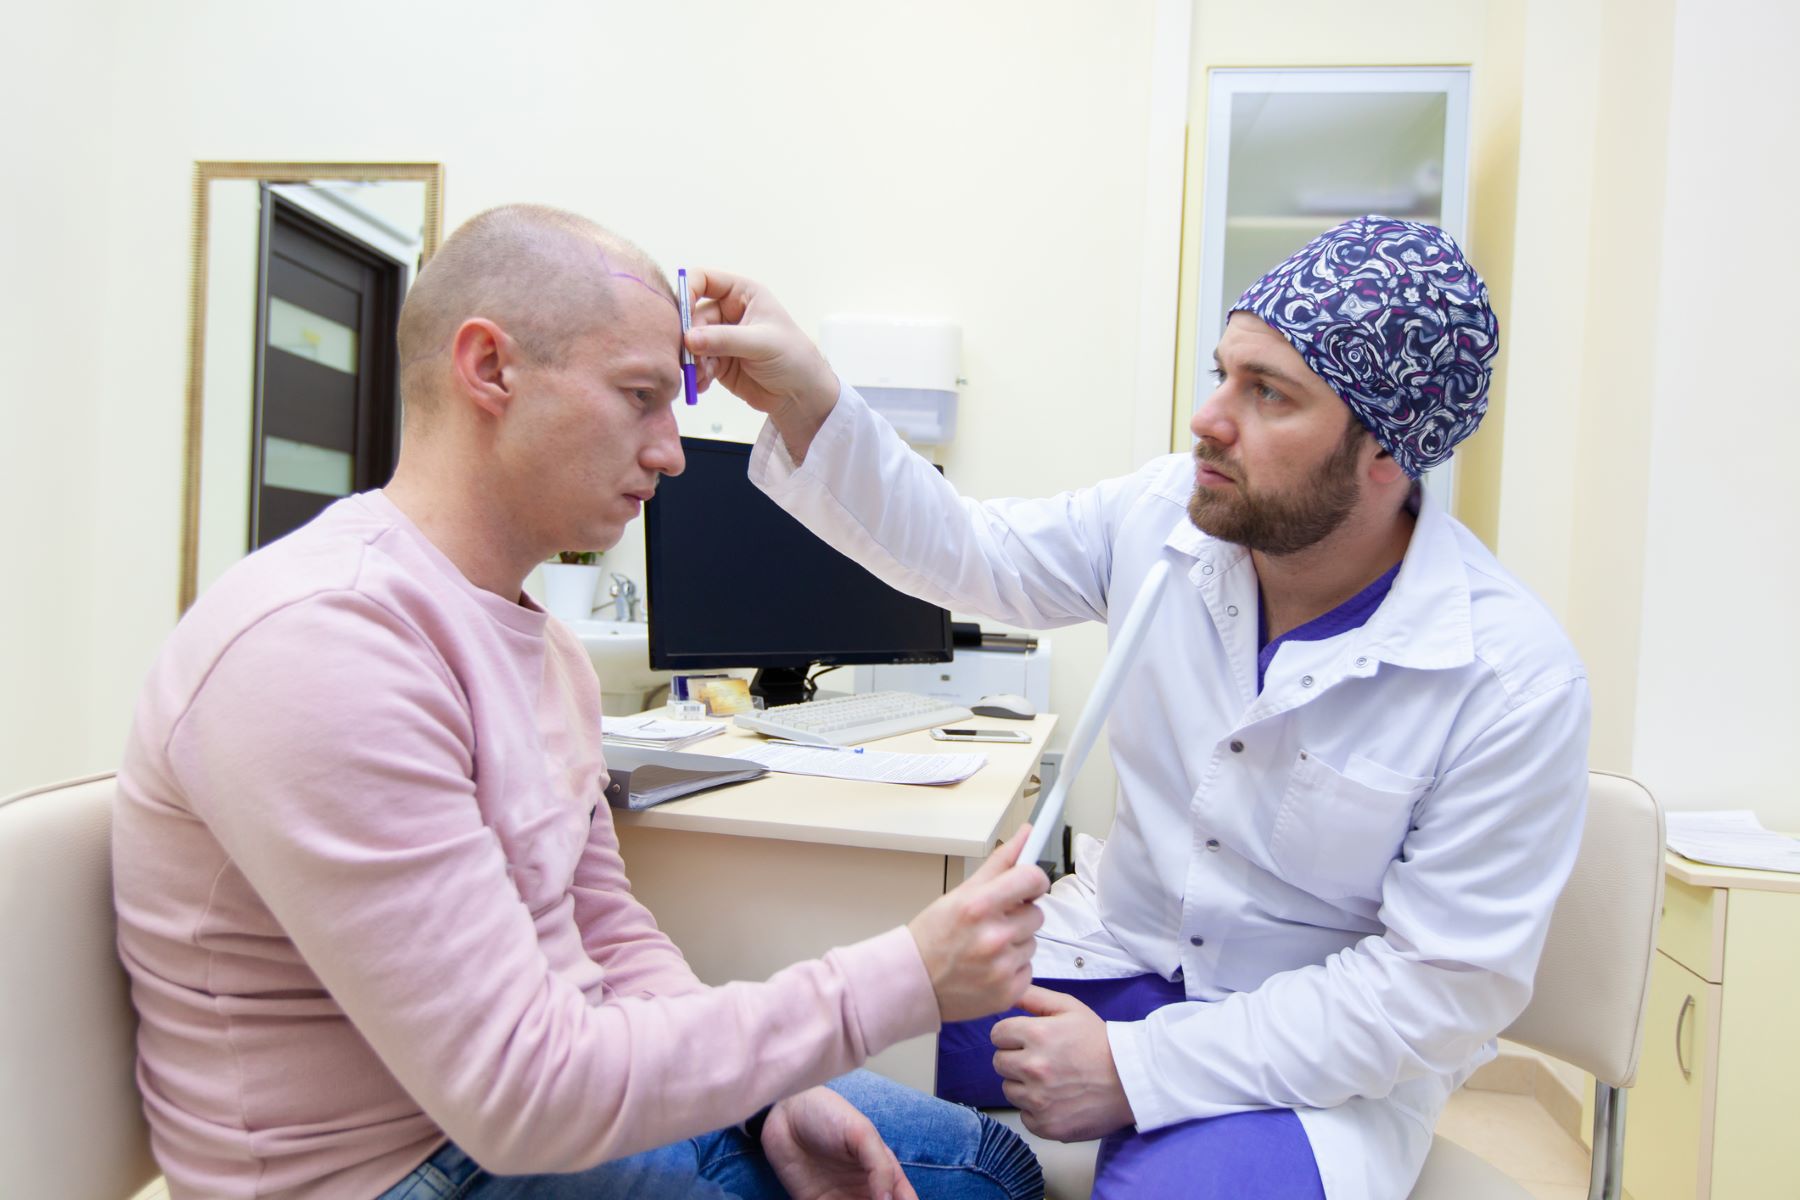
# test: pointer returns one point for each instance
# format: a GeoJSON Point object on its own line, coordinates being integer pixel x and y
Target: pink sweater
{"type": "Point", "coordinates": [369, 896]}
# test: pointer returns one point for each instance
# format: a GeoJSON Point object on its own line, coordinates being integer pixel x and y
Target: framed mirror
{"type": "Point", "coordinates": [299, 270]}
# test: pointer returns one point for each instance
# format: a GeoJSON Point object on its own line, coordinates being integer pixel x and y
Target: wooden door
{"type": "Point", "coordinates": [327, 387]}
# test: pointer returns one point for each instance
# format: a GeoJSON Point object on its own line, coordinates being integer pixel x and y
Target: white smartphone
{"type": "Point", "coordinates": [980, 735]}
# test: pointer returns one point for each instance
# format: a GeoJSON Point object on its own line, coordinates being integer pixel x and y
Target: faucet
{"type": "Point", "coordinates": [624, 596]}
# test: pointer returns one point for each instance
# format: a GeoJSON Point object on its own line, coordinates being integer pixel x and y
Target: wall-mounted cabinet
{"type": "Point", "coordinates": [1290, 153]}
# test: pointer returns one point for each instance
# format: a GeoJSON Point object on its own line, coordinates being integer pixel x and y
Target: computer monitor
{"type": "Point", "coordinates": [736, 582]}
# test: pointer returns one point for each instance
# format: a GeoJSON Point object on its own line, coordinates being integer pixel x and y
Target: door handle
{"type": "Point", "coordinates": [1687, 1006]}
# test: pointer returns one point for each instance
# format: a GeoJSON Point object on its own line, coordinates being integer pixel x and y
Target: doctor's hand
{"type": "Point", "coordinates": [977, 939]}
{"type": "Point", "coordinates": [747, 341]}
{"type": "Point", "coordinates": [822, 1148]}
{"type": "Point", "coordinates": [1058, 1068]}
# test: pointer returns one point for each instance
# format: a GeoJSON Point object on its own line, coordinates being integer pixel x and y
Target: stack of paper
{"type": "Point", "coordinates": [1734, 838]}
{"type": "Point", "coordinates": [873, 766]}
{"type": "Point", "coordinates": [656, 733]}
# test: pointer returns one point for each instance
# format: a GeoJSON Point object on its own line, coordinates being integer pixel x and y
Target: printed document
{"type": "Point", "coordinates": [873, 766]}
{"type": "Point", "coordinates": [1734, 838]}
{"type": "Point", "coordinates": [657, 733]}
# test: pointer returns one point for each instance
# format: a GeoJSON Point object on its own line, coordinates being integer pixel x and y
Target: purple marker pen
{"type": "Point", "coordinates": [690, 384]}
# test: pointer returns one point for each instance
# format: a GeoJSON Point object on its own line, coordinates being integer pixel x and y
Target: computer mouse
{"type": "Point", "coordinates": [1007, 705]}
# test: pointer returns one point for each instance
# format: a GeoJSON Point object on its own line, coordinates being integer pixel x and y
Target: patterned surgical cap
{"type": "Point", "coordinates": [1392, 316]}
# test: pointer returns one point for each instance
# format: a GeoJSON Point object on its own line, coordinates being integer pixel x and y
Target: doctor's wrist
{"type": "Point", "coordinates": [805, 413]}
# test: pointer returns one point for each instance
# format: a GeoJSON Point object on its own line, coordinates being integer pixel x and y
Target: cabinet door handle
{"type": "Point", "coordinates": [1687, 1006]}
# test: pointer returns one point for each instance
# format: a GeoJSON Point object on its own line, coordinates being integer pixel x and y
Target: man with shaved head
{"type": "Point", "coordinates": [380, 938]}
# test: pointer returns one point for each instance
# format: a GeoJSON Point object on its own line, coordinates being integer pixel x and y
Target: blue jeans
{"type": "Point", "coordinates": [948, 1153]}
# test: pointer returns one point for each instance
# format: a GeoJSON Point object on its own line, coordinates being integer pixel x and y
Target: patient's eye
{"type": "Point", "coordinates": [1269, 395]}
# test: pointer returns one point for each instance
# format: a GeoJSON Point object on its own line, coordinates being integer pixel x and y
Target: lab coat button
{"type": "Point", "coordinates": [1362, 662]}
{"type": "Point", "coordinates": [1237, 747]}
{"type": "Point", "coordinates": [1212, 844]}
{"type": "Point", "coordinates": [1206, 570]}
{"type": "Point", "coordinates": [1196, 940]}
{"type": "Point", "coordinates": [1306, 681]}
{"type": "Point", "coordinates": [1231, 610]}
{"type": "Point", "coordinates": [1080, 961]}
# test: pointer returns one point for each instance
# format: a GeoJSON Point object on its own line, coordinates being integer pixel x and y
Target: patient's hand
{"type": "Point", "coordinates": [977, 939]}
{"type": "Point", "coordinates": [1058, 1068]}
{"type": "Point", "coordinates": [822, 1148]}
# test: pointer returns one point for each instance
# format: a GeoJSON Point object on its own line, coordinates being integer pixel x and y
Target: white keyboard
{"type": "Point", "coordinates": [847, 720]}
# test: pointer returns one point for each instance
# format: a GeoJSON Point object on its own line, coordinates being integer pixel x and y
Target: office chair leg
{"type": "Point", "coordinates": [1606, 1172]}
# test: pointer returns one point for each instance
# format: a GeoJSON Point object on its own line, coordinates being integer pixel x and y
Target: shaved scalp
{"type": "Point", "coordinates": [543, 275]}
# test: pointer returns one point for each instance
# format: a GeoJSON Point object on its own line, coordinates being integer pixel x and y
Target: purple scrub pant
{"type": "Point", "coordinates": [1261, 1155]}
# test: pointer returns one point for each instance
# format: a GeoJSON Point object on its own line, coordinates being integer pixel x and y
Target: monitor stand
{"type": "Point", "coordinates": [781, 685]}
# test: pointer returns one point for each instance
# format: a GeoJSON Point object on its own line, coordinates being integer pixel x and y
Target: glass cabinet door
{"type": "Point", "coordinates": [1290, 153]}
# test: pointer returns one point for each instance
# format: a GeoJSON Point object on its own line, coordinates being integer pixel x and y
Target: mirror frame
{"type": "Point", "coordinates": [430, 174]}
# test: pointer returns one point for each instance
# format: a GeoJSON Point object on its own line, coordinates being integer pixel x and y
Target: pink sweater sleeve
{"type": "Point", "coordinates": [329, 751]}
{"type": "Point", "coordinates": [617, 931]}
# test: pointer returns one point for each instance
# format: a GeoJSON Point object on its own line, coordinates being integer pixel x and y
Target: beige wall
{"type": "Point", "coordinates": [979, 162]}
{"type": "Point", "coordinates": [1585, 272]}
{"type": "Point", "coordinates": [1717, 709]}
{"type": "Point", "coordinates": [1645, 490]}
{"type": "Point", "coordinates": [53, 271]}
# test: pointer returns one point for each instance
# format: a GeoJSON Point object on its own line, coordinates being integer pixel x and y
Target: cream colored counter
{"type": "Point", "coordinates": [752, 878]}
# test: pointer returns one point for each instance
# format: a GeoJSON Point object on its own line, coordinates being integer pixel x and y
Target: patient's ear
{"type": "Point", "coordinates": [481, 358]}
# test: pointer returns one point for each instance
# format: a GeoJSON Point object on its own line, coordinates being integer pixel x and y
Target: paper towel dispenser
{"type": "Point", "coordinates": [907, 368]}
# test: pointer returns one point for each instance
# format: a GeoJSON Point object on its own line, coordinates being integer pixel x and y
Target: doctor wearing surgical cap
{"type": "Point", "coordinates": [1351, 757]}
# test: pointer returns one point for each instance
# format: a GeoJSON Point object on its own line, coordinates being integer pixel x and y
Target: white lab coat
{"type": "Point", "coordinates": [1353, 869]}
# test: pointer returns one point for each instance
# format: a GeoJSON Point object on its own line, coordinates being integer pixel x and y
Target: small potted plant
{"type": "Point", "coordinates": [572, 584]}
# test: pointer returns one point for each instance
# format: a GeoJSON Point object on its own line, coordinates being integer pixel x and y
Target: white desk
{"type": "Point", "coordinates": [756, 877]}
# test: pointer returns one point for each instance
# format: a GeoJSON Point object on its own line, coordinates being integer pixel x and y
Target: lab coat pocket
{"type": "Point", "coordinates": [1337, 832]}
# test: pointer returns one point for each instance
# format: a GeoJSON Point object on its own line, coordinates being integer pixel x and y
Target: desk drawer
{"type": "Point", "coordinates": [1693, 928]}
{"type": "Point", "coordinates": [1668, 1133]}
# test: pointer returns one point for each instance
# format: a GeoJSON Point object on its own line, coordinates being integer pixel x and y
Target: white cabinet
{"type": "Point", "coordinates": [1711, 1115]}
{"type": "Point", "coordinates": [1290, 153]}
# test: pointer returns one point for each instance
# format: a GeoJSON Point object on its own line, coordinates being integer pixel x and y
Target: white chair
{"type": "Point", "coordinates": [1587, 1007]}
{"type": "Point", "coordinates": [71, 1121]}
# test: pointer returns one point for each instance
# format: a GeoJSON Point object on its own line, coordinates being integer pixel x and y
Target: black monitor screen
{"type": "Point", "coordinates": [736, 582]}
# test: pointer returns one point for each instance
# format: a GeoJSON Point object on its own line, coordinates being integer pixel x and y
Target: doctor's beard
{"type": "Point", "coordinates": [1279, 523]}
